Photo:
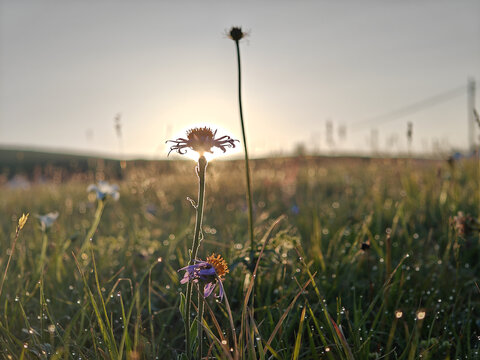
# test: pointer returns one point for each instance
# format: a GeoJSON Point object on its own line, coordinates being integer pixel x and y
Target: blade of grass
{"type": "Point", "coordinates": [298, 340]}
{"type": "Point", "coordinates": [284, 315]}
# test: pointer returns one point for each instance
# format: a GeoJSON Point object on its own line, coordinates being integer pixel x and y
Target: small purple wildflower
{"type": "Point", "coordinates": [209, 273]}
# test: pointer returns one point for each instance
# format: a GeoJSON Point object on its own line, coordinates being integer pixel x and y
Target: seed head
{"type": "Point", "coordinates": [22, 221]}
{"type": "Point", "coordinates": [236, 33]}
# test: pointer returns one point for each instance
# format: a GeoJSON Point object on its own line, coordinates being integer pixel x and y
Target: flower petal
{"type": "Point", "coordinates": [208, 289]}
{"type": "Point", "coordinates": [221, 291]}
{"type": "Point", "coordinates": [186, 278]}
{"type": "Point", "coordinates": [210, 271]}
{"type": "Point", "coordinates": [92, 187]}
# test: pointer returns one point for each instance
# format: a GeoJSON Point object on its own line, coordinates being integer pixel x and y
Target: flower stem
{"type": "Point", "coordinates": [17, 233]}
{"type": "Point", "coordinates": [197, 238]}
{"type": "Point", "coordinates": [200, 323]}
{"type": "Point", "coordinates": [247, 166]}
{"type": "Point", "coordinates": [43, 253]}
{"type": "Point", "coordinates": [96, 221]}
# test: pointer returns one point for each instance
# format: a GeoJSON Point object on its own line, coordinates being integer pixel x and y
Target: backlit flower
{"type": "Point", "coordinates": [104, 189]}
{"type": "Point", "coordinates": [201, 140]}
{"type": "Point", "coordinates": [209, 273]}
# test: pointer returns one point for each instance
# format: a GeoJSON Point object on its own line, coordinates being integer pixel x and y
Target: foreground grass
{"type": "Point", "coordinates": [119, 297]}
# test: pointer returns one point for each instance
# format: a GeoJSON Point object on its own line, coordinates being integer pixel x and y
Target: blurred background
{"type": "Point", "coordinates": [118, 78]}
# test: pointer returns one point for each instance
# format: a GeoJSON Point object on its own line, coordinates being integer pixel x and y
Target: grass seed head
{"type": "Point", "coordinates": [22, 221]}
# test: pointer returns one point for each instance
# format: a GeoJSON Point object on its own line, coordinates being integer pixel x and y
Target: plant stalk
{"type": "Point", "coordinates": [96, 221]}
{"type": "Point", "coordinates": [43, 253]}
{"type": "Point", "coordinates": [197, 238]}
{"type": "Point", "coordinates": [247, 166]}
{"type": "Point", "coordinates": [17, 233]}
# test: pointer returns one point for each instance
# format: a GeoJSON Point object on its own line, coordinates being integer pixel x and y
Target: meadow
{"type": "Point", "coordinates": [363, 259]}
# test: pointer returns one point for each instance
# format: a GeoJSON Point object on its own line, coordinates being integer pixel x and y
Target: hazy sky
{"type": "Point", "coordinates": [67, 67]}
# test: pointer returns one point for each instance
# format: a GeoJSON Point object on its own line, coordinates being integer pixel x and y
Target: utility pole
{"type": "Point", "coordinates": [470, 108]}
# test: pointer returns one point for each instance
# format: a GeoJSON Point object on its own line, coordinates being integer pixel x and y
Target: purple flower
{"type": "Point", "coordinates": [208, 273]}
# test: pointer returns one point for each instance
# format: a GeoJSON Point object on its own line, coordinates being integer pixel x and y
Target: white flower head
{"type": "Point", "coordinates": [47, 220]}
{"type": "Point", "coordinates": [104, 189]}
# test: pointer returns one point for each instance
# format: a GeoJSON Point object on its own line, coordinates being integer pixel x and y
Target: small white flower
{"type": "Point", "coordinates": [104, 189]}
{"type": "Point", "coordinates": [47, 220]}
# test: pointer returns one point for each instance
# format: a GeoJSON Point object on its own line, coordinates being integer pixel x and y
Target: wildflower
{"type": "Point", "coordinates": [236, 33]}
{"type": "Point", "coordinates": [47, 220]}
{"type": "Point", "coordinates": [201, 140]}
{"type": "Point", "coordinates": [104, 189]}
{"type": "Point", "coordinates": [209, 273]}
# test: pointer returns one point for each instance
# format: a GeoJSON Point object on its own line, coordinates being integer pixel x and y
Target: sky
{"type": "Point", "coordinates": [67, 68]}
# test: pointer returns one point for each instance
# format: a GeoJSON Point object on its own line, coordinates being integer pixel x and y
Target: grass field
{"type": "Point", "coordinates": [389, 272]}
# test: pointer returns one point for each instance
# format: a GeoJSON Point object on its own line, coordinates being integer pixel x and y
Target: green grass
{"type": "Point", "coordinates": [120, 298]}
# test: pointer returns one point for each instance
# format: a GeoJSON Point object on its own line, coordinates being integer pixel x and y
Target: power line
{"type": "Point", "coordinates": [412, 108]}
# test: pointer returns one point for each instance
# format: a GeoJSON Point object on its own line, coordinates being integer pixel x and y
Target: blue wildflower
{"type": "Point", "coordinates": [47, 220]}
{"type": "Point", "coordinates": [104, 189]}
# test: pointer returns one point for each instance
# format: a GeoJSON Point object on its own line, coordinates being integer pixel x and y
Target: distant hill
{"type": "Point", "coordinates": [30, 162]}
{"type": "Point", "coordinates": [40, 165]}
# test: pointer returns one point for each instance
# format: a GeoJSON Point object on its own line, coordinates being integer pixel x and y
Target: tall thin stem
{"type": "Point", "coordinates": [96, 222]}
{"type": "Point", "coordinates": [10, 257]}
{"type": "Point", "coordinates": [197, 238]}
{"type": "Point", "coordinates": [200, 323]}
{"type": "Point", "coordinates": [247, 166]}
{"type": "Point", "coordinates": [43, 253]}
